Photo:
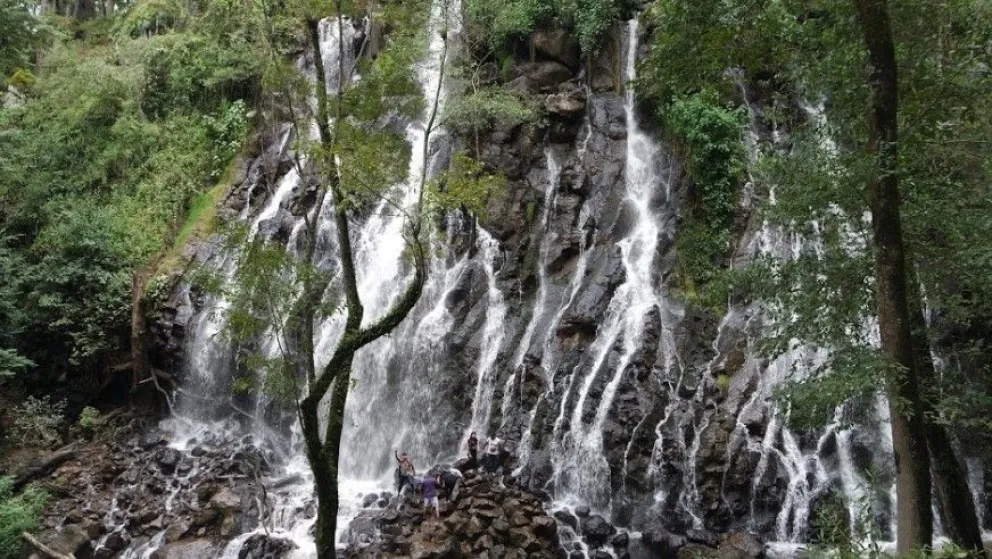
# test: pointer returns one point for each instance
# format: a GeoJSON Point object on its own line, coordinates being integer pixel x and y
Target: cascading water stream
{"type": "Point", "coordinates": [553, 162]}
{"type": "Point", "coordinates": [582, 470]}
{"type": "Point", "coordinates": [379, 256]}
{"type": "Point", "coordinates": [566, 395]}
{"type": "Point", "coordinates": [492, 336]}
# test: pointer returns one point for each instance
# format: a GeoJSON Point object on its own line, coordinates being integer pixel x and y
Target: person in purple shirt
{"type": "Point", "coordinates": [428, 490]}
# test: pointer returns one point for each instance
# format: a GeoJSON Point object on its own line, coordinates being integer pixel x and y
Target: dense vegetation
{"type": "Point", "coordinates": [18, 513]}
{"type": "Point", "coordinates": [111, 130]}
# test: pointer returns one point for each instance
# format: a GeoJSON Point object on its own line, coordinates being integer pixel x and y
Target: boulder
{"type": "Point", "coordinates": [558, 45]}
{"type": "Point", "coordinates": [168, 459]}
{"type": "Point", "coordinates": [186, 549]}
{"type": "Point", "coordinates": [596, 530]}
{"type": "Point", "coordinates": [741, 545]}
{"type": "Point", "coordinates": [567, 518]}
{"type": "Point", "coordinates": [567, 104]}
{"type": "Point", "coordinates": [262, 546]}
{"type": "Point", "coordinates": [539, 76]}
{"type": "Point", "coordinates": [369, 500]}
{"type": "Point", "coordinates": [71, 540]}
{"type": "Point", "coordinates": [227, 504]}
{"type": "Point", "coordinates": [544, 526]}
{"type": "Point", "coordinates": [663, 543]}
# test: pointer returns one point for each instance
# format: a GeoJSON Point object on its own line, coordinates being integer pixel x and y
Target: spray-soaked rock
{"type": "Point", "coordinates": [137, 496]}
{"type": "Point", "coordinates": [490, 519]}
{"type": "Point", "coordinates": [262, 546]}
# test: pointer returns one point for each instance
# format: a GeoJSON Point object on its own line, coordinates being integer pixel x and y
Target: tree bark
{"type": "Point", "coordinates": [140, 366]}
{"type": "Point", "coordinates": [914, 513]}
{"type": "Point", "coordinates": [84, 9]}
{"type": "Point", "coordinates": [44, 466]}
{"type": "Point", "coordinates": [950, 476]}
{"type": "Point", "coordinates": [43, 549]}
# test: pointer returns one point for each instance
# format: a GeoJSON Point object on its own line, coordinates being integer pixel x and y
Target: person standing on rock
{"type": "Point", "coordinates": [451, 480]}
{"type": "Point", "coordinates": [473, 450]}
{"type": "Point", "coordinates": [491, 460]}
{"type": "Point", "coordinates": [428, 490]}
{"type": "Point", "coordinates": [404, 472]}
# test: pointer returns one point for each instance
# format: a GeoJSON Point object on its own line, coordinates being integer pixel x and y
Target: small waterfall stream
{"type": "Point", "coordinates": [582, 471]}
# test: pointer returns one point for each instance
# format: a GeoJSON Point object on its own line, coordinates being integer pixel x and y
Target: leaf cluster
{"type": "Point", "coordinates": [498, 23]}
{"type": "Point", "coordinates": [18, 513]}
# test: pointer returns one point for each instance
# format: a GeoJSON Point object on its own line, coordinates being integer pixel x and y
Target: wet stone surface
{"type": "Point", "coordinates": [139, 495]}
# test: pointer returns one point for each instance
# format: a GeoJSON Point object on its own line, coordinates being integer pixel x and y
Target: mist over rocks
{"type": "Point", "coordinates": [142, 494]}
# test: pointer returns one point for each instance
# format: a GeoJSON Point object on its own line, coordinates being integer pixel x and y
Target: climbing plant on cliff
{"type": "Point", "coordinates": [709, 135]}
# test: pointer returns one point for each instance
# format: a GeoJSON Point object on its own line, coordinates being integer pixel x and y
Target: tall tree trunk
{"type": "Point", "coordinates": [323, 449]}
{"type": "Point", "coordinates": [323, 453]}
{"type": "Point", "coordinates": [950, 477]}
{"type": "Point", "coordinates": [914, 512]}
{"type": "Point", "coordinates": [84, 9]}
{"type": "Point", "coordinates": [140, 366]}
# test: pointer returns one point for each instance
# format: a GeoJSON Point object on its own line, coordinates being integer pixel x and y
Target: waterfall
{"type": "Point", "coordinates": [492, 337]}
{"type": "Point", "coordinates": [616, 394]}
{"type": "Point", "coordinates": [582, 470]}
{"type": "Point", "coordinates": [381, 273]}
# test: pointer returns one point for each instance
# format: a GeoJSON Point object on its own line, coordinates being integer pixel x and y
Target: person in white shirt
{"type": "Point", "coordinates": [491, 459]}
{"type": "Point", "coordinates": [451, 480]}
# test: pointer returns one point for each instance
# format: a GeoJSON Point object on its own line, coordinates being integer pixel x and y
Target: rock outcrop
{"type": "Point", "coordinates": [492, 518]}
{"type": "Point", "coordinates": [141, 494]}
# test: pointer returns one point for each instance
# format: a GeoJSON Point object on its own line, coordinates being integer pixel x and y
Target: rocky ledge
{"type": "Point", "coordinates": [139, 495]}
{"type": "Point", "coordinates": [492, 518]}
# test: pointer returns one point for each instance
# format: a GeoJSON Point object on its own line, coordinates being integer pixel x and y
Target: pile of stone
{"type": "Point", "coordinates": [492, 518]}
{"type": "Point", "coordinates": [142, 495]}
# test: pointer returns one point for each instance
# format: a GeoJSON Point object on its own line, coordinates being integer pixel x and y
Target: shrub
{"type": "Point", "coordinates": [90, 420]}
{"type": "Point", "coordinates": [39, 420]}
{"type": "Point", "coordinates": [710, 135]}
{"type": "Point", "coordinates": [18, 513]}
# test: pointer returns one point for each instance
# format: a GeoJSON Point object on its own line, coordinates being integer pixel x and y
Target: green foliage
{"type": "Point", "coordinates": [39, 420]}
{"type": "Point", "coordinates": [832, 528]}
{"type": "Point", "coordinates": [13, 320]}
{"type": "Point", "coordinates": [22, 79]}
{"type": "Point", "coordinates": [18, 513]}
{"type": "Point", "coordinates": [464, 186]}
{"type": "Point", "coordinates": [90, 421]}
{"type": "Point", "coordinates": [810, 184]}
{"type": "Point", "coordinates": [500, 22]}
{"type": "Point", "coordinates": [21, 33]}
{"type": "Point", "coordinates": [590, 19]}
{"type": "Point", "coordinates": [723, 383]}
{"type": "Point", "coordinates": [834, 538]}
{"type": "Point", "coordinates": [388, 82]}
{"type": "Point", "coordinates": [710, 137]}
{"type": "Point", "coordinates": [149, 17]}
{"type": "Point", "coordinates": [101, 164]}
{"type": "Point", "coordinates": [694, 43]}
{"type": "Point", "coordinates": [489, 107]}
